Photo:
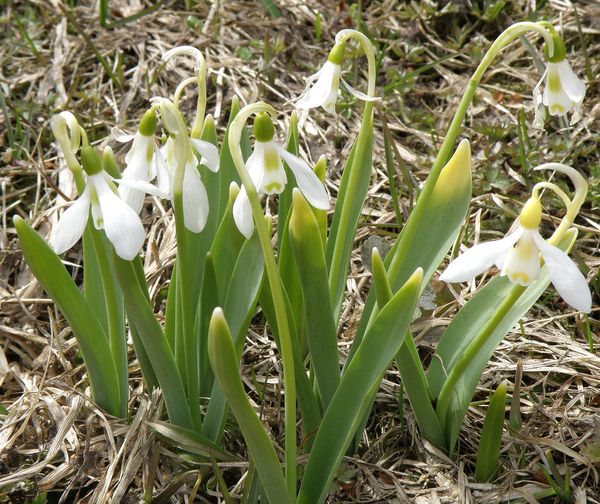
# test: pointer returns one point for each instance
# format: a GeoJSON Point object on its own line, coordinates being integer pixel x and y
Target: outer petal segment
{"type": "Point", "coordinates": [565, 276]}
{"type": "Point", "coordinates": [72, 224]}
{"type": "Point", "coordinates": [308, 182]}
{"type": "Point", "coordinates": [242, 214]}
{"type": "Point", "coordinates": [121, 224]}
{"type": "Point", "coordinates": [479, 258]}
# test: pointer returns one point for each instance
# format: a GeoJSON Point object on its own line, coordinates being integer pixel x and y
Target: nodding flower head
{"type": "Point", "coordinates": [563, 91]}
{"type": "Point", "coordinates": [323, 86]}
{"type": "Point", "coordinates": [109, 212]}
{"type": "Point", "coordinates": [266, 171]}
{"type": "Point", "coordinates": [517, 255]}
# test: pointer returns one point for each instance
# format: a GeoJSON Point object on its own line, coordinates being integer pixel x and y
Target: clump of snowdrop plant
{"type": "Point", "coordinates": [228, 264]}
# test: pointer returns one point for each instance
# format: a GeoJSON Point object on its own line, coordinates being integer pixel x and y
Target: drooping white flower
{"type": "Point", "coordinates": [141, 160]}
{"type": "Point", "coordinates": [323, 86]}
{"type": "Point", "coordinates": [266, 171]}
{"type": "Point", "coordinates": [109, 212]}
{"type": "Point", "coordinates": [179, 148]}
{"type": "Point", "coordinates": [563, 91]}
{"type": "Point", "coordinates": [518, 256]}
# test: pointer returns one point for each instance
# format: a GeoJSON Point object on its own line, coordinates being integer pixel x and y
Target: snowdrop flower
{"type": "Point", "coordinates": [141, 160]}
{"type": "Point", "coordinates": [563, 90]}
{"type": "Point", "coordinates": [322, 87]}
{"type": "Point", "coordinates": [109, 212]}
{"type": "Point", "coordinates": [517, 254]}
{"type": "Point", "coordinates": [180, 149]}
{"type": "Point", "coordinates": [266, 170]}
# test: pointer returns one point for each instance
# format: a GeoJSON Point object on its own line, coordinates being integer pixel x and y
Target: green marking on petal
{"type": "Point", "coordinates": [271, 160]}
{"type": "Point", "coordinates": [554, 82]}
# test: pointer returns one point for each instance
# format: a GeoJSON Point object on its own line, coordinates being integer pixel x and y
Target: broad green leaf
{"type": "Point", "coordinates": [209, 300]}
{"type": "Point", "coordinates": [309, 409]}
{"type": "Point", "coordinates": [477, 319]}
{"type": "Point", "coordinates": [240, 303]}
{"type": "Point", "coordinates": [93, 342]}
{"type": "Point", "coordinates": [361, 379]}
{"type": "Point", "coordinates": [350, 200]}
{"type": "Point", "coordinates": [488, 452]}
{"type": "Point", "coordinates": [92, 283]}
{"type": "Point", "coordinates": [429, 232]}
{"type": "Point", "coordinates": [307, 247]}
{"type": "Point", "coordinates": [225, 248]}
{"type": "Point", "coordinates": [155, 343]}
{"type": "Point", "coordinates": [225, 363]}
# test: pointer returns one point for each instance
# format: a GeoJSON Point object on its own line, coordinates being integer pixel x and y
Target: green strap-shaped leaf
{"type": "Point", "coordinates": [430, 230]}
{"type": "Point", "coordinates": [155, 343]}
{"type": "Point", "coordinates": [92, 281]}
{"type": "Point", "coordinates": [476, 319]}
{"type": "Point", "coordinates": [488, 452]}
{"type": "Point", "coordinates": [240, 303]}
{"type": "Point", "coordinates": [93, 342]}
{"type": "Point", "coordinates": [225, 363]}
{"type": "Point", "coordinates": [350, 200]}
{"type": "Point", "coordinates": [308, 252]}
{"type": "Point", "coordinates": [209, 300]}
{"type": "Point", "coordinates": [363, 375]}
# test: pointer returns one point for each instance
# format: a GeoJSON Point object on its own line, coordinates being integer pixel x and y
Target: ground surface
{"type": "Point", "coordinates": [53, 57]}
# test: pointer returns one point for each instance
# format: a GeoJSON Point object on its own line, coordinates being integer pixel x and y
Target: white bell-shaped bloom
{"type": "Point", "coordinates": [195, 198]}
{"type": "Point", "coordinates": [518, 256]}
{"type": "Point", "coordinates": [164, 163]}
{"type": "Point", "coordinates": [266, 170]}
{"type": "Point", "coordinates": [563, 93]}
{"type": "Point", "coordinates": [323, 86]}
{"type": "Point", "coordinates": [120, 222]}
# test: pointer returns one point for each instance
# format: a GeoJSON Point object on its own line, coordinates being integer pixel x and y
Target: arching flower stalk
{"type": "Point", "coordinates": [517, 255]}
{"type": "Point", "coordinates": [563, 91]}
{"type": "Point", "coordinates": [323, 86]}
{"type": "Point", "coordinates": [266, 171]}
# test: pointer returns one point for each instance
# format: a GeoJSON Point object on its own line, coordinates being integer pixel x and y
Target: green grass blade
{"type": "Point", "coordinates": [308, 252]}
{"type": "Point", "coordinates": [488, 452]}
{"type": "Point", "coordinates": [225, 363]}
{"type": "Point", "coordinates": [93, 342]}
{"type": "Point", "coordinates": [363, 375]}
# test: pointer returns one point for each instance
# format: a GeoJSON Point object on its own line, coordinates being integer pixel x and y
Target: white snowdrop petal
{"type": "Point", "coordinates": [573, 85]}
{"type": "Point", "coordinates": [568, 281]}
{"type": "Point", "coordinates": [242, 214]}
{"type": "Point", "coordinates": [358, 94]}
{"type": "Point", "coordinates": [324, 91]}
{"type": "Point", "coordinates": [209, 153]}
{"type": "Point", "coordinates": [310, 185]}
{"type": "Point", "coordinates": [479, 258]}
{"type": "Point", "coordinates": [195, 201]}
{"type": "Point", "coordinates": [71, 224]}
{"type": "Point", "coordinates": [121, 224]}
{"type": "Point", "coordinates": [121, 136]}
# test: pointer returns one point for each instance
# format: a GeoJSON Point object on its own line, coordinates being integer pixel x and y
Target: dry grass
{"type": "Point", "coordinates": [54, 439]}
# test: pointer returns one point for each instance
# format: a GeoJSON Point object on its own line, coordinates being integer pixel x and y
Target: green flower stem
{"type": "Point", "coordinates": [367, 48]}
{"type": "Point", "coordinates": [200, 79]}
{"type": "Point", "coordinates": [471, 352]}
{"type": "Point", "coordinates": [283, 326]}
{"type": "Point", "coordinates": [114, 311]}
